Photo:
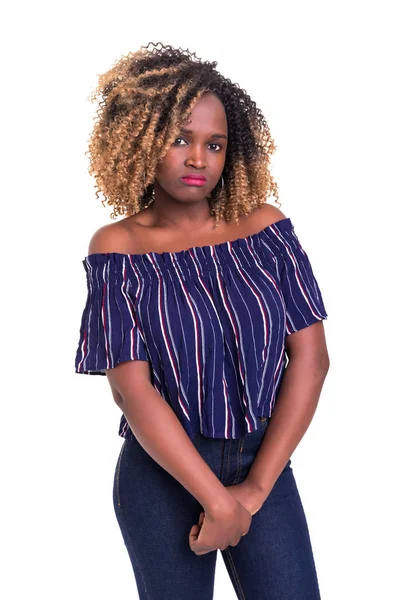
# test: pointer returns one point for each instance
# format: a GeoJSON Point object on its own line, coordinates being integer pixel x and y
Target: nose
{"type": "Point", "coordinates": [196, 157]}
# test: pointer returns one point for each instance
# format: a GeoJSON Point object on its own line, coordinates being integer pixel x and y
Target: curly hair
{"type": "Point", "coordinates": [144, 99]}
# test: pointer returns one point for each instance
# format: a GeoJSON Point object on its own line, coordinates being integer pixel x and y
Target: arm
{"type": "Point", "coordinates": [295, 406]}
{"type": "Point", "coordinates": [150, 417]}
{"type": "Point", "coordinates": [160, 433]}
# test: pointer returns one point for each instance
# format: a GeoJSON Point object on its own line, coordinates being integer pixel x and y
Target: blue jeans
{"type": "Point", "coordinates": [274, 561]}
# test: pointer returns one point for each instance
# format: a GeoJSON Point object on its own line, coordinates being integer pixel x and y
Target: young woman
{"type": "Point", "coordinates": [204, 314]}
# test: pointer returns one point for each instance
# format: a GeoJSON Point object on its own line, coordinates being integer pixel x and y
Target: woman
{"type": "Point", "coordinates": [196, 299]}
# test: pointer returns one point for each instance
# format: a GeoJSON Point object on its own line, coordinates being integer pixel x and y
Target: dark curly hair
{"type": "Point", "coordinates": [144, 98]}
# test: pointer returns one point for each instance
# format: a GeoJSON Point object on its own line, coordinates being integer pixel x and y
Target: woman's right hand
{"type": "Point", "coordinates": [220, 528]}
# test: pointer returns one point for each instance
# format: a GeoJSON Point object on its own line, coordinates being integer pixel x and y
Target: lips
{"type": "Point", "coordinates": [194, 180]}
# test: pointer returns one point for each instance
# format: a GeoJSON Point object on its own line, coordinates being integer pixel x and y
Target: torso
{"type": "Point", "coordinates": [141, 236]}
{"type": "Point", "coordinates": [137, 234]}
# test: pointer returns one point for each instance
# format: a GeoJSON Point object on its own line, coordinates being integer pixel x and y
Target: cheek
{"type": "Point", "coordinates": [218, 165]}
{"type": "Point", "coordinates": [166, 167]}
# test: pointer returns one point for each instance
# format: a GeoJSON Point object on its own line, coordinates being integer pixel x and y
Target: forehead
{"type": "Point", "coordinates": [207, 114]}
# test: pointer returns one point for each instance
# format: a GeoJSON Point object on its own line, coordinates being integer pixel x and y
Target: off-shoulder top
{"type": "Point", "coordinates": [210, 320]}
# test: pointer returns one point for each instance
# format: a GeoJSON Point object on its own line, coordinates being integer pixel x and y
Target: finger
{"type": "Point", "coordinates": [196, 547]}
{"type": "Point", "coordinates": [193, 535]}
{"type": "Point", "coordinates": [194, 532]}
{"type": "Point", "coordinates": [203, 551]}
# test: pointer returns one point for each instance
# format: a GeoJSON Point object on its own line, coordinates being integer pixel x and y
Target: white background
{"type": "Point", "coordinates": [325, 75]}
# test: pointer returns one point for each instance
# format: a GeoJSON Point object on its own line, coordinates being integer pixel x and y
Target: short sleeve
{"type": "Point", "coordinates": [301, 292]}
{"type": "Point", "coordinates": [109, 331]}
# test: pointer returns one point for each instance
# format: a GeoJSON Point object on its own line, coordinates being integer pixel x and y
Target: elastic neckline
{"type": "Point", "coordinates": [286, 222]}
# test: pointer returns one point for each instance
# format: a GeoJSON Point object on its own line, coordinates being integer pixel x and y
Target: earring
{"type": "Point", "coordinates": [222, 186]}
{"type": "Point", "coordinates": [216, 199]}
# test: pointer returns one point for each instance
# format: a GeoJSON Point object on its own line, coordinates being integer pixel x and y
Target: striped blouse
{"type": "Point", "coordinates": [210, 320]}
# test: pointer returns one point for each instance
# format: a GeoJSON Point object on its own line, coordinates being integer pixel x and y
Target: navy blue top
{"type": "Point", "coordinates": [210, 320]}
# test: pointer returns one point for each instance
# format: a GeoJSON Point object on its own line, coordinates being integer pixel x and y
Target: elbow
{"type": "Point", "coordinates": [118, 399]}
{"type": "Point", "coordinates": [318, 362]}
{"type": "Point", "coordinates": [131, 394]}
{"type": "Point", "coordinates": [129, 379]}
{"type": "Point", "coordinates": [320, 366]}
{"type": "Point", "coordinates": [315, 366]}
{"type": "Point", "coordinates": [324, 362]}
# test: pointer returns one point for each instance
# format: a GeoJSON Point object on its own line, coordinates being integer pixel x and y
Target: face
{"type": "Point", "coordinates": [199, 150]}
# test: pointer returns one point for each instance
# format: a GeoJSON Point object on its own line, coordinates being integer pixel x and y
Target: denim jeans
{"type": "Point", "coordinates": [273, 561]}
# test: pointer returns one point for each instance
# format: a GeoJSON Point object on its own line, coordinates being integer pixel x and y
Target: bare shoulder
{"type": "Point", "coordinates": [109, 238]}
{"type": "Point", "coordinates": [267, 214]}
{"type": "Point", "coordinates": [270, 214]}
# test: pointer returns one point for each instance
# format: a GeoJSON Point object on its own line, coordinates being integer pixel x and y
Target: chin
{"type": "Point", "coordinates": [189, 193]}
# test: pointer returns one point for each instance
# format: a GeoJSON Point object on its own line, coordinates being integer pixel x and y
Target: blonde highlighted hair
{"type": "Point", "coordinates": [142, 102]}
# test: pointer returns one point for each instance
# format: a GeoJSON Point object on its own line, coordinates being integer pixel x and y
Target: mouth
{"type": "Point", "coordinates": [196, 180]}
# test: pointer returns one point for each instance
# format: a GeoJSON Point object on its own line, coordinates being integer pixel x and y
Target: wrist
{"type": "Point", "coordinates": [258, 488]}
{"type": "Point", "coordinates": [222, 502]}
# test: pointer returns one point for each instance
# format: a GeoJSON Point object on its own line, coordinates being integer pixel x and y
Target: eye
{"type": "Point", "coordinates": [178, 138]}
{"type": "Point", "coordinates": [214, 144]}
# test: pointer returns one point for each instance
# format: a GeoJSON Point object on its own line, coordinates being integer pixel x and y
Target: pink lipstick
{"type": "Point", "coordinates": [197, 180]}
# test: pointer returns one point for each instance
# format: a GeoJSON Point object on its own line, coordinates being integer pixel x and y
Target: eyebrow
{"type": "Point", "coordinates": [214, 135]}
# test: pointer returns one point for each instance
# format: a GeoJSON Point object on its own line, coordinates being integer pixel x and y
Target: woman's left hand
{"type": "Point", "coordinates": [248, 495]}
